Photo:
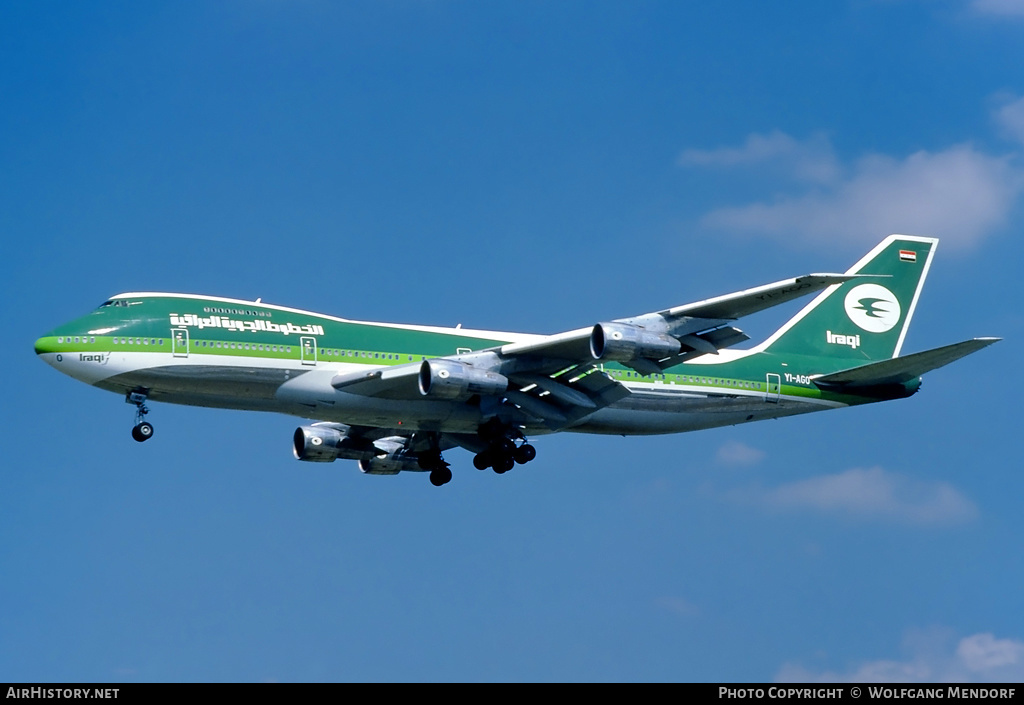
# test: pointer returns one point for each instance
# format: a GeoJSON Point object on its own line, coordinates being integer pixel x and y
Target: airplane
{"type": "Point", "coordinates": [396, 397]}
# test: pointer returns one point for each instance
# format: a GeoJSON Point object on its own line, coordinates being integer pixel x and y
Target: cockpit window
{"type": "Point", "coordinates": [108, 302]}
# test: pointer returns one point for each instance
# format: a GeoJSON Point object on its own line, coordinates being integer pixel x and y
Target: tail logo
{"type": "Point", "coordinates": [873, 308]}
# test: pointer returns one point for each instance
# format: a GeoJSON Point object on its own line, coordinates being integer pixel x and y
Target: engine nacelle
{"type": "Point", "coordinates": [316, 444]}
{"type": "Point", "coordinates": [323, 443]}
{"type": "Point", "coordinates": [390, 464]}
{"type": "Point", "coordinates": [623, 342]}
{"type": "Point", "coordinates": [448, 379]}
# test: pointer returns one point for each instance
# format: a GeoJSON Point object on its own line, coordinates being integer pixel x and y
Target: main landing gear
{"type": "Point", "coordinates": [440, 472]}
{"type": "Point", "coordinates": [505, 447]}
{"type": "Point", "coordinates": [502, 453]}
{"type": "Point", "coordinates": [143, 430]}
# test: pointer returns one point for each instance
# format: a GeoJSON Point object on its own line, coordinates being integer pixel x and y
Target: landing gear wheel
{"type": "Point", "coordinates": [503, 463]}
{"type": "Point", "coordinates": [143, 431]}
{"type": "Point", "coordinates": [501, 451]}
{"type": "Point", "coordinates": [440, 476]}
{"type": "Point", "coordinates": [524, 454]}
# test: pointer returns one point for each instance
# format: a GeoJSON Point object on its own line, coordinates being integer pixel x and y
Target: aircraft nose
{"type": "Point", "coordinates": [45, 345]}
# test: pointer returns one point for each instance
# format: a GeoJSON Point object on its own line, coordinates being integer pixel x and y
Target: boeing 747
{"type": "Point", "coordinates": [396, 397]}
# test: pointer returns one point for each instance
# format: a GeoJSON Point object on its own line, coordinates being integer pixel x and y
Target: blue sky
{"type": "Point", "coordinates": [514, 166]}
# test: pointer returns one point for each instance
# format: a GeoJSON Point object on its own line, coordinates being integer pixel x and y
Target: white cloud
{"type": "Point", "coordinates": [868, 494]}
{"type": "Point", "coordinates": [976, 658]}
{"type": "Point", "coordinates": [874, 672]}
{"type": "Point", "coordinates": [812, 160]}
{"type": "Point", "coordinates": [1001, 8]}
{"type": "Point", "coordinates": [983, 653]}
{"type": "Point", "coordinates": [1010, 118]}
{"type": "Point", "coordinates": [959, 194]}
{"type": "Point", "coordinates": [735, 453]}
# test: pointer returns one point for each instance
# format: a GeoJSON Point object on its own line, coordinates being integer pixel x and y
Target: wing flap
{"type": "Point", "coordinates": [563, 400]}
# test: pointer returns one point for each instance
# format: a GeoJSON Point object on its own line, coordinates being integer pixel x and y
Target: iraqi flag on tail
{"type": "Point", "coordinates": [908, 256]}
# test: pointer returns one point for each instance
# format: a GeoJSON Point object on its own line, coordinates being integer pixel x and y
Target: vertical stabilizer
{"type": "Point", "coordinates": [866, 318]}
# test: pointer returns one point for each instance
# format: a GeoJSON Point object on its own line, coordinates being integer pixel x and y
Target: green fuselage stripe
{"type": "Point", "coordinates": [146, 326]}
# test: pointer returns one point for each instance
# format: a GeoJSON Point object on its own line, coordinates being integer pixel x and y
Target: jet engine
{"type": "Point", "coordinates": [394, 462]}
{"type": "Point", "coordinates": [322, 443]}
{"type": "Point", "coordinates": [452, 380]}
{"type": "Point", "coordinates": [624, 342]}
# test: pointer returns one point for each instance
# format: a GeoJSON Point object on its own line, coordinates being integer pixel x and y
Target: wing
{"type": "Point", "coordinates": [701, 327]}
{"type": "Point", "coordinates": [557, 380]}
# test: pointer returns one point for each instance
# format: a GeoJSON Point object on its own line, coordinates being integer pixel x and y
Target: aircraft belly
{"type": "Point", "coordinates": [298, 392]}
{"type": "Point", "coordinates": [672, 401]}
{"type": "Point", "coordinates": [675, 412]}
{"type": "Point", "coordinates": [225, 386]}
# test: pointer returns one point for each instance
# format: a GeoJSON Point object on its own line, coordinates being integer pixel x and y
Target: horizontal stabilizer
{"type": "Point", "coordinates": [899, 370]}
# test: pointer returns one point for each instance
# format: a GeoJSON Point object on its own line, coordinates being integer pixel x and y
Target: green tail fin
{"type": "Point", "coordinates": [866, 318]}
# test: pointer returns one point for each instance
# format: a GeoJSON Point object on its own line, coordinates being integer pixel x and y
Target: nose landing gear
{"type": "Point", "coordinates": [143, 430]}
